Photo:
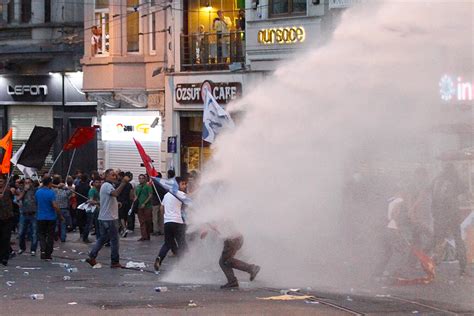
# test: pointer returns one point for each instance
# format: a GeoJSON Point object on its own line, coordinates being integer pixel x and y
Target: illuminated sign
{"type": "Point", "coordinates": [124, 128]}
{"type": "Point", "coordinates": [455, 89]}
{"type": "Point", "coordinates": [190, 93]}
{"type": "Point", "coordinates": [282, 35]}
{"type": "Point", "coordinates": [30, 89]}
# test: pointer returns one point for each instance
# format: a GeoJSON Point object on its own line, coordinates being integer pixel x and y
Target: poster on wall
{"type": "Point", "coordinates": [172, 144]}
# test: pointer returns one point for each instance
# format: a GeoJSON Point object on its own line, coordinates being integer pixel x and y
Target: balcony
{"type": "Point", "coordinates": [212, 51]}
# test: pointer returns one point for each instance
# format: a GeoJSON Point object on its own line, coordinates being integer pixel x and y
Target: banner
{"type": "Point", "coordinates": [37, 147]}
{"type": "Point", "coordinates": [81, 136]}
{"type": "Point", "coordinates": [28, 172]}
{"type": "Point", "coordinates": [147, 162]}
{"type": "Point", "coordinates": [215, 118]}
{"type": "Point", "coordinates": [7, 144]}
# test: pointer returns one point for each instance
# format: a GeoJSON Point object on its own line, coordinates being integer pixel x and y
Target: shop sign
{"type": "Point", "coordinates": [224, 92]}
{"type": "Point", "coordinates": [172, 144]}
{"type": "Point", "coordinates": [282, 35]}
{"type": "Point", "coordinates": [124, 128]}
{"type": "Point", "coordinates": [455, 89]}
{"type": "Point", "coordinates": [27, 89]}
{"type": "Point", "coordinates": [41, 88]}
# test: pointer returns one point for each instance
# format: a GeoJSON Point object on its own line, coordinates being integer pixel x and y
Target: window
{"type": "Point", "coordinates": [47, 11]}
{"type": "Point", "coordinates": [25, 11]}
{"type": "Point", "coordinates": [100, 36]}
{"type": "Point", "coordinates": [287, 7]}
{"type": "Point", "coordinates": [133, 25]}
{"type": "Point", "coordinates": [153, 33]}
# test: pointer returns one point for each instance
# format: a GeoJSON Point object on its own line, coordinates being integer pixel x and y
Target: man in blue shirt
{"type": "Point", "coordinates": [48, 212]}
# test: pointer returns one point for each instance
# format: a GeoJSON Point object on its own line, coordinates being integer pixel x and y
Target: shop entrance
{"type": "Point", "coordinates": [191, 141]}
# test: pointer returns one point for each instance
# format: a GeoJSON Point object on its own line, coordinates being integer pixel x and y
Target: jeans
{"type": "Point", "coordinates": [145, 217]}
{"type": "Point", "coordinates": [174, 239]}
{"type": "Point", "coordinates": [63, 224]}
{"type": "Point", "coordinates": [108, 231]}
{"type": "Point", "coordinates": [46, 237]}
{"type": "Point", "coordinates": [227, 261]}
{"type": "Point", "coordinates": [88, 225]}
{"type": "Point", "coordinates": [28, 221]}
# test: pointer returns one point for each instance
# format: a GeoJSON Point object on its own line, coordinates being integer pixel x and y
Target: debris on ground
{"type": "Point", "coordinates": [311, 302]}
{"type": "Point", "coordinates": [97, 266]}
{"type": "Point", "coordinates": [137, 265]}
{"type": "Point", "coordinates": [192, 304]}
{"type": "Point", "coordinates": [27, 268]}
{"type": "Point", "coordinates": [161, 289]}
{"type": "Point", "coordinates": [37, 296]}
{"type": "Point", "coordinates": [66, 278]}
{"type": "Point", "coordinates": [10, 283]}
{"type": "Point", "coordinates": [72, 303]}
{"type": "Point", "coordinates": [287, 297]}
{"type": "Point", "coordinates": [62, 264]}
{"type": "Point", "coordinates": [72, 270]}
{"type": "Point", "coordinates": [26, 273]}
{"type": "Point", "coordinates": [283, 292]}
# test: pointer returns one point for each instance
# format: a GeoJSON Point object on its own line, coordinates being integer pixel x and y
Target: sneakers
{"type": "Point", "coordinates": [254, 272]}
{"type": "Point", "coordinates": [116, 265]}
{"type": "Point", "coordinates": [157, 264]}
{"type": "Point", "coordinates": [230, 285]}
{"type": "Point", "coordinates": [91, 261]}
{"type": "Point", "coordinates": [124, 233]}
{"type": "Point", "coordinates": [33, 253]}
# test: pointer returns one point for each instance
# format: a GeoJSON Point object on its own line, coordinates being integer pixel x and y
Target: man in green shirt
{"type": "Point", "coordinates": [93, 213]}
{"type": "Point", "coordinates": [143, 194]}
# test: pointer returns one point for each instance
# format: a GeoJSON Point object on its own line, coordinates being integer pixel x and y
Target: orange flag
{"type": "Point", "coordinates": [7, 144]}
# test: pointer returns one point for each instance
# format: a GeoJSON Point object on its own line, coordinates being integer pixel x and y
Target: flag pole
{"type": "Point", "coordinates": [8, 180]}
{"type": "Point", "coordinates": [70, 163]}
{"type": "Point", "coordinates": [54, 163]}
{"type": "Point", "coordinates": [156, 191]}
{"type": "Point", "coordinates": [201, 153]}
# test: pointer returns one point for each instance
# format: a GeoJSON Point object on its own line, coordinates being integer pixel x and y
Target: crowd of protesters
{"type": "Point", "coordinates": [46, 209]}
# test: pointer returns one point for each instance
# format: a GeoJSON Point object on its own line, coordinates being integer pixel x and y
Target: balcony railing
{"type": "Point", "coordinates": [212, 51]}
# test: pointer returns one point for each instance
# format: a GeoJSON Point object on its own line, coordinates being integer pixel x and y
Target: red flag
{"type": "Point", "coordinates": [150, 169]}
{"type": "Point", "coordinates": [81, 136]}
{"type": "Point", "coordinates": [7, 144]}
{"type": "Point", "coordinates": [428, 266]}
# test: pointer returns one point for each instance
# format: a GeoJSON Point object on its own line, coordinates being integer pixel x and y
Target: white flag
{"type": "Point", "coordinates": [27, 171]}
{"type": "Point", "coordinates": [215, 118]}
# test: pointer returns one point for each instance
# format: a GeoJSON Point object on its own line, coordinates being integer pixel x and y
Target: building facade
{"type": "Point", "coordinates": [40, 75]}
{"type": "Point", "coordinates": [124, 62]}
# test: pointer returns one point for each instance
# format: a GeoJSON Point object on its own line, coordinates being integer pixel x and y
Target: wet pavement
{"type": "Point", "coordinates": [132, 291]}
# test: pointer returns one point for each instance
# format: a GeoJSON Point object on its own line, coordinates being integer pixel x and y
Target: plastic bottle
{"type": "Point", "coordinates": [161, 289]}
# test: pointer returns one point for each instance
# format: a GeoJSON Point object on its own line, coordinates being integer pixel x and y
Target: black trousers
{"type": "Point", "coordinates": [227, 261]}
{"type": "Point", "coordinates": [46, 237]}
{"type": "Point", "coordinates": [174, 239]}
{"type": "Point", "coordinates": [5, 234]}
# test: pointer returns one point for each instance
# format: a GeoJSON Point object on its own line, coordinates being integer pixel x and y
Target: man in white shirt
{"type": "Point", "coordinates": [174, 223]}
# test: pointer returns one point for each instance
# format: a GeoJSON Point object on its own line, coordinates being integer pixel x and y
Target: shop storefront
{"type": "Point", "coordinates": [119, 128]}
{"type": "Point", "coordinates": [184, 117]}
{"type": "Point", "coordinates": [53, 100]}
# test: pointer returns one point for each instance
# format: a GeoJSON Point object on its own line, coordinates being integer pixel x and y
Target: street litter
{"type": "Point", "coordinates": [190, 286]}
{"type": "Point", "coordinates": [415, 312]}
{"type": "Point", "coordinates": [161, 289]}
{"type": "Point", "coordinates": [61, 264]}
{"type": "Point", "coordinates": [157, 272]}
{"type": "Point", "coordinates": [192, 304]}
{"type": "Point", "coordinates": [348, 298]}
{"type": "Point", "coordinates": [138, 265]}
{"type": "Point", "coordinates": [27, 268]}
{"type": "Point", "coordinates": [64, 251]}
{"type": "Point", "coordinates": [382, 295]}
{"type": "Point", "coordinates": [66, 278]}
{"type": "Point", "coordinates": [97, 266]}
{"type": "Point", "coordinates": [311, 302]}
{"type": "Point", "coordinates": [289, 291]}
{"type": "Point", "coordinates": [37, 296]}
{"type": "Point", "coordinates": [72, 303]}
{"type": "Point", "coordinates": [71, 270]}
{"type": "Point", "coordinates": [74, 287]}
{"type": "Point", "coordinates": [10, 283]}
{"type": "Point", "coordinates": [287, 297]}
{"type": "Point", "coordinates": [80, 253]}
{"type": "Point", "coordinates": [73, 250]}
{"type": "Point", "coordinates": [26, 273]}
